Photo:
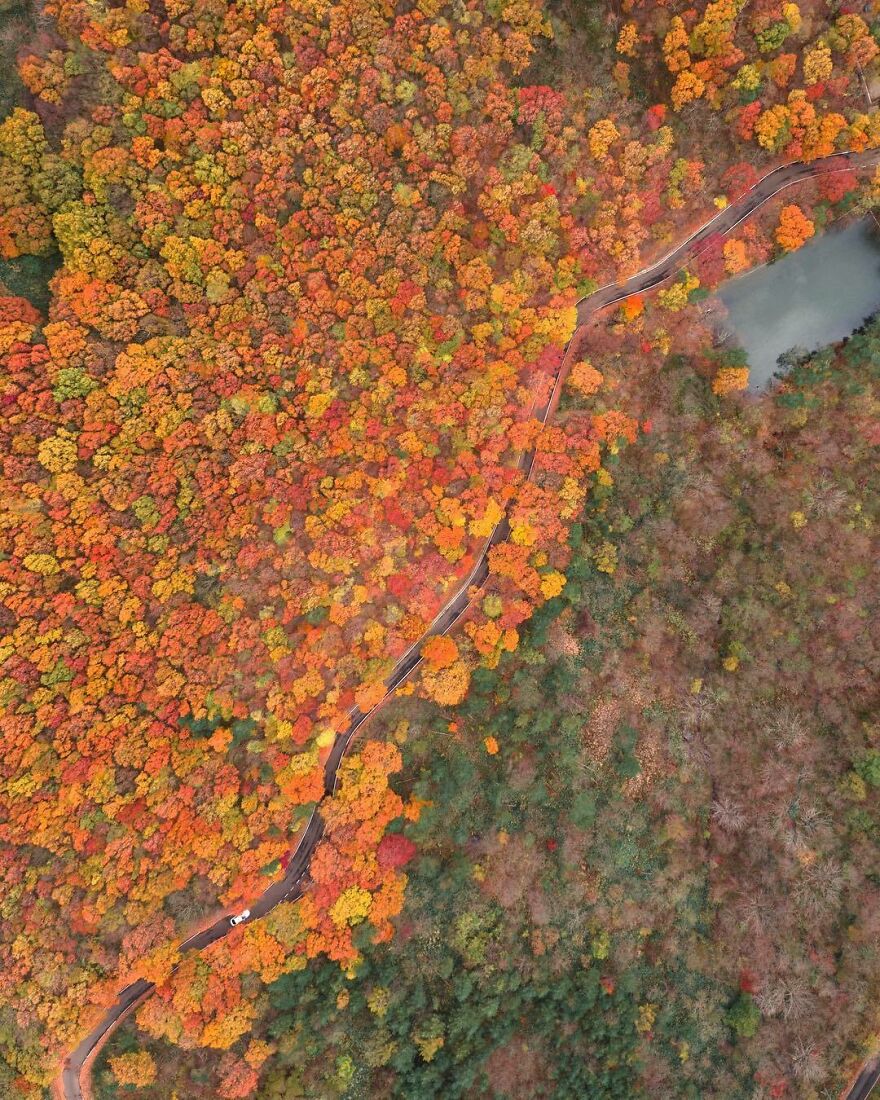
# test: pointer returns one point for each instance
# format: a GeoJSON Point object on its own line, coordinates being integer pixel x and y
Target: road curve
{"type": "Point", "coordinates": [291, 886]}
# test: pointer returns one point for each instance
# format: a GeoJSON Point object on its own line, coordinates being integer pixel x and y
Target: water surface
{"type": "Point", "coordinates": [808, 299]}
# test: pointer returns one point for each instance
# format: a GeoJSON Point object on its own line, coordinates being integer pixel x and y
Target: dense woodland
{"type": "Point", "coordinates": [647, 850]}
{"type": "Point", "coordinates": [307, 269]}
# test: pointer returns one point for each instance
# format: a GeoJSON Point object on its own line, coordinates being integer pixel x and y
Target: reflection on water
{"type": "Point", "coordinates": [810, 298]}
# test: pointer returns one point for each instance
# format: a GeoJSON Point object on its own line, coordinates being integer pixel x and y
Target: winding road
{"type": "Point", "coordinates": [76, 1066]}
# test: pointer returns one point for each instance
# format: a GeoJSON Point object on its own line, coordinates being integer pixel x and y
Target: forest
{"type": "Point", "coordinates": [645, 862]}
{"type": "Point", "coordinates": [282, 288]}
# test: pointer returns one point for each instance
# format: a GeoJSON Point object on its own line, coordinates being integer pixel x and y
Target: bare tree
{"type": "Point", "coordinates": [697, 710]}
{"type": "Point", "coordinates": [787, 726]}
{"type": "Point", "coordinates": [800, 826]}
{"type": "Point", "coordinates": [820, 888]}
{"type": "Point", "coordinates": [825, 499]}
{"type": "Point", "coordinates": [787, 997]}
{"type": "Point", "coordinates": [728, 814]}
{"type": "Point", "coordinates": [756, 912]}
{"type": "Point", "coordinates": [807, 1063]}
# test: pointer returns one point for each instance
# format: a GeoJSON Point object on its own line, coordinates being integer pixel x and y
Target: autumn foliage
{"type": "Point", "coordinates": [136, 1069]}
{"type": "Point", "coordinates": [356, 879]}
{"type": "Point", "coordinates": [730, 380]}
{"type": "Point", "coordinates": [750, 59]}
{"type": "Point", "coordinates": [319, 263]}
{"type": "Point", "coordinates": [794, 228]}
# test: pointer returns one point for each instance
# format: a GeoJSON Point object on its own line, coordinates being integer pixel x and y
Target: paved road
{"type": "Point", "coordinates": [291, 885]}
{"type": "Point", "coordinates": [864, 1084]}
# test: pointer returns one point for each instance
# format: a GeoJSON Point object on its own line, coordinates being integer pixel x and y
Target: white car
{"type": "Point", "coordinates": [242, 916]}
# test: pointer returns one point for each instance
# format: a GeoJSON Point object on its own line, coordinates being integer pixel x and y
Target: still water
{"type": "Point", "coordinates": [810, 298]}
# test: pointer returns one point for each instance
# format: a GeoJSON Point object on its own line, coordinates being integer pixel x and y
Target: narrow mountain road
{"type": "Point", "coordinates": [291, 886]}
{"type": "Point", "coordinates": [864, 1084]}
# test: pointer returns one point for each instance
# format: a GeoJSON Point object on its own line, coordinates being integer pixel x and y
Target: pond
{"type": "Point", "coordinates": [808, 299]}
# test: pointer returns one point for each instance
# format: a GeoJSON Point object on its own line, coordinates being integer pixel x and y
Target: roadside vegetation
{"type": "Point", "coordinates": [647, 839]}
